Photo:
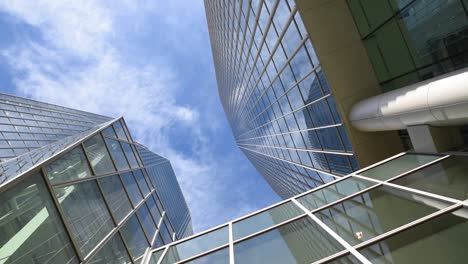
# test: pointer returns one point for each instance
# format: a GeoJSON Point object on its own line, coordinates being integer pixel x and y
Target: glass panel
{"type": "Point", "coordinates": [130, 155]}
{"type": "Point", "coordinates": [167, 238]}
{"type": "Point", "coordinates": [155, 257]}
{"type": "Point", "coordinates": [301, 241]}
{"type": "Point", "coordinates": [197, 245]}
{"type": "Point", "coordinates": [397, 166]}
{"type": "Point", "coordinates": [132, 188]}
{"type": "Point", "coordinates": [441, 240]}
{"type": "Point", "coordinates": [98, 155]}
{"type": "Point", "coordinates": [333, 192]}
{"type": "Point", "coordinates": [141, 182]}
{"type": "Point", "coordinates": [109, 132]}
{"type": "Point", "coordinates": [366, 216]}
{"type": "Point", "coordinates": [113, 252]}
{"type": "Point", "coordinates": [71, 166]}
{"type": "Point", "coordinates": [115, 196]}
{"type": "Point", "coordinates": [86, 213]}
{"type": "Point", "coordinates": [447, 177]}
{"type": "Point", "coordinates": [134, 237]}
{"type": "Point", "coordinates": [348, 259]}
{"type": "Point", "coordinates": [119, 130]}
{"type": "Point", "coordinates": [30, 228]}
{"type": "Point", "coordinates": [153, 210]}
{"type": "Point", "coordinates": [146, 222]}
{"type": "Point", "coordinates": [117, 154]}
{"type": "Point", "coordinates": [265, 219]}
{"type": "Point", "coordinates": [217, 257]}
{"type": "Point", "coordinates": [159, 242]}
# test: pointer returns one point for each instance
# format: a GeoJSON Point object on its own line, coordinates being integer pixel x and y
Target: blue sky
{"type": "Point", "coordinates": [149, 61]}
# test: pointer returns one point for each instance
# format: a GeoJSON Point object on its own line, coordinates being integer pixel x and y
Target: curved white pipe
{"type": "Point", "coordinates": [440, 101]}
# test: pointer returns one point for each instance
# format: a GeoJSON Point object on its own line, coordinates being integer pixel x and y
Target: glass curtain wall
{"type": "Point", "coordinates": [275, 94]}
{"type": "Point", "coordinates": [93, 203]}
{"type": "Point", "coordinates": [409, 209]}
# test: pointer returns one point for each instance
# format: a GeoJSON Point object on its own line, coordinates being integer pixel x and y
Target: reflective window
{"type": "Point", "coordinates": [146, 221]}
{"type": "Point", "coordinates": [366, 216]}
{"type": "Point", "coordinates": [347, 259]}
{"type": "Point", "coordinates": [397, 166]}
{"type": "Point", "coordinates": [301, 241]}
{"type": "Point", "coordinates": [441, 240]}
{"type": "Point", "coordinates": [165, 235]}
{"type": "Point", "coordinates": [115, 196]}
{"type": "Point", "coordinates": [30, 227]}
{"type": "Point", "coordinates": [113, 252]}
{"type": "Point", "coordinates": [117, 154]}
{"type": "Point", "coordinates": [265, 219]}
{"type": "Point", "coordinates": [85, 212]}
{"type": "Point", "coordinates": [153, 209]}
{"type": "Point", "coordinates": [131, 187]}
{"type": "Point", "coordinates": [217, 257]}
{"type": "Point", "coordinates": [333, 192]}
{"type": "Point", "coordinates": [141, 182]}
{"type": "Point", "coordinates": [98, 155]}
{"type": "Point", "coordinates": [447, 177]}
{"type": "Point", "coordinates": [155, 256]}
{"type": "Point", "coordinates": [134, 237]}
{"type": "Point", "coordinates": [109, 132]}
{"type": "Point", "coordinates": [119, 130]}
{"type": "Point", "coordinates": [71, 166]}
{"type": "Point", "coordinates": [130, 155]}
{"type": "Point", "coordinates": [198, 245]}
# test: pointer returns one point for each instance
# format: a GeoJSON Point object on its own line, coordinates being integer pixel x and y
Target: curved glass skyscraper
{"type": "Point", "coordinates": [275, 94]}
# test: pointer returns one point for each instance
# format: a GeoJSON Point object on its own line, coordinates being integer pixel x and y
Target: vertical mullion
{"type": "Point", "coordinates": [163, 255]}
{"type": "Point", "coordinates": [231, 244]}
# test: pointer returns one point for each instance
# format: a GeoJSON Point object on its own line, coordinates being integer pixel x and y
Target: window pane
{"type": "Point", "coordinates": [30, 227]}
{"type": "Point", "coordinates": [301, 241]}
{"type": "Point", "coordinates": [447, 177]}
{"type": "Point", "coordinates": [217, 257]}
{"type": "Point", "coordinates": [333, 192]}
{"type": "Point", "coordinates": [397, 166]}
{"type": "Point", "coordinates": [115, 196]}
{"type": "Point", "coordinates": [155, 257]}
{"type": "Point", "coordinates": [98, 155]}
{"type": "Point", "coordinates": [348, 259]}
{"type": "Point", "coordinates": [71, 166]}
{"type": "Point", "coordinates": [109, 132]}
{"type": "Point", "coordinates": [153, 210]}
{"type": "Point", "coordinates": [86, 213]}
{"type": "Point", "coordinates": [113, 252]}
{"type": "Point", "coordinates": [119, 130]}
{"type": "Point", "coordinates": [146, 221]}
{"type": "Point", "coordinates": [198, 245]}
{"type": "Point", "coordinates": [441, 240]}
{"type": "Point", "coordinates": [167, 238]}
{"type": "Point", "coordinates": [141, 182]}
{"type": "Point", "coordinates": [366, 216]}
{"type": "Point", "coordinates": [132, 188]}
{"type": "Point", "coordinates": [117, 154]}
{"type": "Point", "coordinates": [134, 237]}
{"type": "Point", "coordinates": [130, 155]}
{"type": "Point", "coordinates": [265, 219]}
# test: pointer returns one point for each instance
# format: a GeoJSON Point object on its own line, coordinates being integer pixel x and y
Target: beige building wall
{"type": "Point", "coordinates": [349, 72]}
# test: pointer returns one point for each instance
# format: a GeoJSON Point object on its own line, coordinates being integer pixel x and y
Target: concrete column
{"type": "Point", "coordinates": [349, 72]}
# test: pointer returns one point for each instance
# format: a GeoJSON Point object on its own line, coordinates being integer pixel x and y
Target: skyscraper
{"type": "Point", "coordinates": [297, 81]}
{"type": "Point", "coordinates": [75, 187]}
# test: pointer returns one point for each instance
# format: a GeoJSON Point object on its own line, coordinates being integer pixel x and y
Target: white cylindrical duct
{"type": "Point", "coordinates": [440, 101]}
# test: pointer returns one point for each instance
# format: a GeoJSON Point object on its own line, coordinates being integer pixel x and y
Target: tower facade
{"type": "Point", "coordinates": [75, 189]}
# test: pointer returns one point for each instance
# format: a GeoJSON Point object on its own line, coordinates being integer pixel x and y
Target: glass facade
{"type": "Point", "coordinates": [84, 198]}
{"type": "Point", "coordinates": [354, 219]}
{"type": "Point", "coordinates": [275, 94]}
{"type": "Point", "coordinates": [411, 41]}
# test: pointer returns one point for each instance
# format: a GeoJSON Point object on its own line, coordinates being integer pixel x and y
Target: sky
{"type": "Point", "coordinates": [149, 61]}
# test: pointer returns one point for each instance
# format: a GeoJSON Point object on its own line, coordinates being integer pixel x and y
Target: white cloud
{"type": "Point", "coordinates": [78, 64]}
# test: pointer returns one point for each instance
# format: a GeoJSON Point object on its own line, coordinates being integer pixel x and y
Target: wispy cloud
{"type": "Point", "coordinates": [84, 58]}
